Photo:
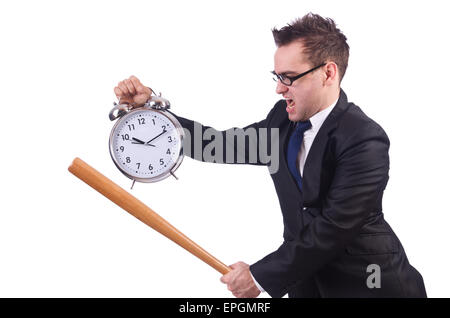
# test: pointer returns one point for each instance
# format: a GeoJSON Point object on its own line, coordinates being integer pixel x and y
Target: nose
{"type": "Point", "coordinates": [281, 88]}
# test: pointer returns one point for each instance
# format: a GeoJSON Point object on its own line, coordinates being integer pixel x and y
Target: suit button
{"type": "Point", "coordinates": [304, 208]}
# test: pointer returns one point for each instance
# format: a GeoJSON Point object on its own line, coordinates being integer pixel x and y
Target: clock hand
{"type": "Point", "coordinates": [164, 131]}
{"type": "Point", "coordinates": [138, 140]}
{"type": "Point", "coordinates": [141, 142]}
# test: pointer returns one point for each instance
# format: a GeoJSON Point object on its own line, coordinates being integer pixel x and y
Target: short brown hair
{"type": "Point", "coordinates": [322, 40]}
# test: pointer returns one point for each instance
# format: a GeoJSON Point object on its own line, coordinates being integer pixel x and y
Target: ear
{"type": "Point", "coordinates": [331, 74]}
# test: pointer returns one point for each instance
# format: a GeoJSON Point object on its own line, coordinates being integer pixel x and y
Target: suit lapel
{"type": "Point", "coordinates": [313, 164]}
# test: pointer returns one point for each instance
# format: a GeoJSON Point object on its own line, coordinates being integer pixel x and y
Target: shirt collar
{"type": "Point", "coordinates": [318, 119]}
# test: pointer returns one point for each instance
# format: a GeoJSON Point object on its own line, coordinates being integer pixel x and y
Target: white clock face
{"type": "Point", "coordinates": [145, 144]}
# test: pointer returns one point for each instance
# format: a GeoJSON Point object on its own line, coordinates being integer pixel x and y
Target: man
{"type": "Point", "coordinates": [332, 172]}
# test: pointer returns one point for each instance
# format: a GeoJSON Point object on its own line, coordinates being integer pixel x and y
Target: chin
{"type": "Point", "coordinates": [293, 117]}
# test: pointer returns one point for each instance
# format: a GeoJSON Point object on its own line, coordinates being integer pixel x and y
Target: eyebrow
{"type": "Point", "coordinates": [287, 72]}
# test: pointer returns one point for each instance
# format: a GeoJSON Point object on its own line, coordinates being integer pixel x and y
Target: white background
{"type": "Point", "coordinates": [59, 63]}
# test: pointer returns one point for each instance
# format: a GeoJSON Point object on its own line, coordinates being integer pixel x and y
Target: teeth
{"type": "Point", "coordinates": [289, 101]}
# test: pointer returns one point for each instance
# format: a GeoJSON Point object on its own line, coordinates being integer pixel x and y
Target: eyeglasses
{"type": "Point", "coordinates": [288, 80]}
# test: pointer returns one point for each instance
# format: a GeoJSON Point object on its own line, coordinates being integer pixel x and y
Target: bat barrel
{"type": "Point", "coordinates": [135, 207]}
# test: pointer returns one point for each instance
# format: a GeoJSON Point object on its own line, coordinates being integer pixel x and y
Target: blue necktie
{"type": "Point", "coordinates": [295, 142]}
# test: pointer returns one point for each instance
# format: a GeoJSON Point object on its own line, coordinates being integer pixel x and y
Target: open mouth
{"type": "Point", "coordinates": [290, 103]}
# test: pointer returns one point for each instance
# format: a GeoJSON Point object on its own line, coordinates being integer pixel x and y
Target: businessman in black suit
{"type": "Point", "coordinates": [332, 171]}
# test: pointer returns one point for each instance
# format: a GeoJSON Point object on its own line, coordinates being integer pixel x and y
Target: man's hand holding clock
{"type": "Point", "coordinates": [131, 91]}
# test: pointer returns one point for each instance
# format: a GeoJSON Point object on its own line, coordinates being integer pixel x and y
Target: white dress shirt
{"type": "Point", "coordinates": [308, 138]}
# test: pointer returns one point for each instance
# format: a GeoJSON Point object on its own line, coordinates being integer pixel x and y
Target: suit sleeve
{"type": "Point", "coordinates": [249, 145]}
{"type": "Point", "coordinates": [361, 174]}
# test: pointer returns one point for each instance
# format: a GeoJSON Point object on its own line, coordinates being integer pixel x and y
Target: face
{"type": "Point", "coordinates": [305, 96]}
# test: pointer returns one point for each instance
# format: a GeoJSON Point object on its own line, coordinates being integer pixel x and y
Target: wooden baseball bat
{"type": "Point", "coordinates": [138, 209]}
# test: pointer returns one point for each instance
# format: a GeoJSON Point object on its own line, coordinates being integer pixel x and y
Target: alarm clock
{"type": "Point", "coordinates": [146, 142]}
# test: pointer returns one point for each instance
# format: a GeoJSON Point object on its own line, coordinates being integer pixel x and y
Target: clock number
{"type": "Point", "coordinates": [168, 151]}
{"type": "Point", "coordinates": [131, 127]}
{"type": "Point", "coordinates": [138, 164]}
{"type": "Point", "coordinates": [150, 167]}
{"type": "Point", "coordinates": [125, 137]}
{"type": "Point", "coordinates": [161, 161]}
{"type": "Point", "coordinates": [164, 128]}
{"type": "Point", "coordinates": [141, 121]}
{"type": "Point", "coordinates": [170, 138]}
{"type": "Point", "coordinates": [122, 148]}
{"type": "Point", "coordinates": [128, 159]}
{"type": "Point", "coordinates": [153, 122]}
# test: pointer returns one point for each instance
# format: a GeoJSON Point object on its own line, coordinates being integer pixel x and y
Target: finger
{"type": "Point", "coordinates": [141, 99]}
{"type": "Point", "coordinates": [130, 87]}
{"type": "Point", "coordinates": [144, 90]}
{"type": "Point", "coordinates": [118, 92]}
{"type": "Point", "coordinates": [227, 277]}
{"type": "Point", "coordinates": [134, 79]}
{"type": "Point", "coordinates": [223, 279]}
{"type": "Point", "coordinates": [124, 88]}
{"type": "Point", "coordinates": [234, 266]}
{"type": "Point", "coordinates": [122, 93]}
{"type": "Point", "coordinates": [136, 82]}
{"type": "Point", "coordinates": [139, 87]}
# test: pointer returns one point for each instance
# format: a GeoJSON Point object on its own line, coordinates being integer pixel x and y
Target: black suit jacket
{"type": "Point", "coordinates": [334, 229]}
